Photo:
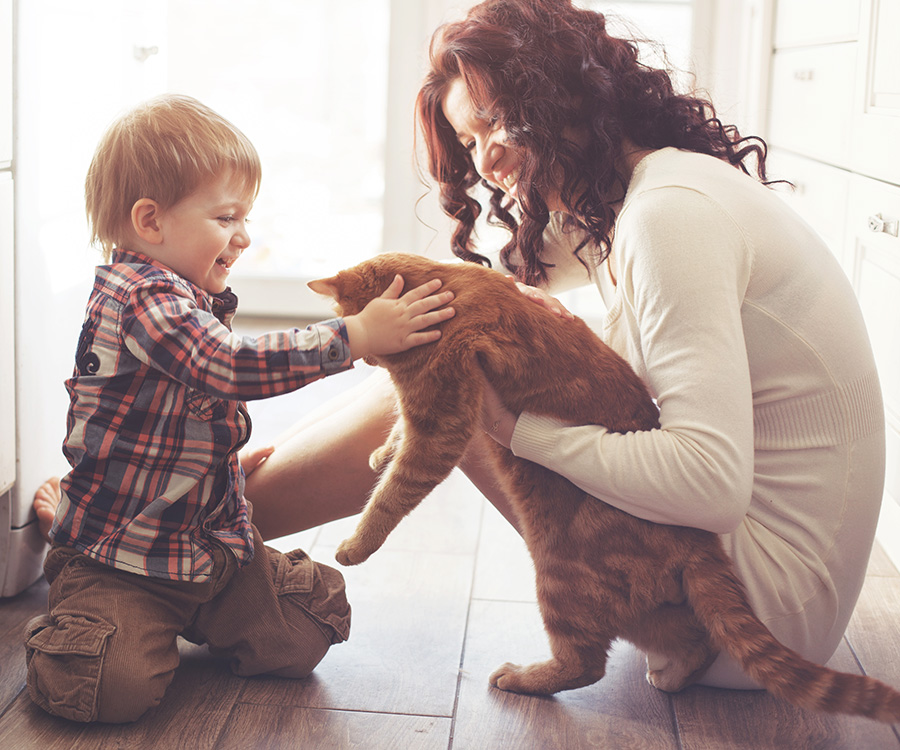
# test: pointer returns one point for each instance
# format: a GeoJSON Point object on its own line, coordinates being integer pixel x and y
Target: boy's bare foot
{"type": "Point", "coordinates": [46, 500]}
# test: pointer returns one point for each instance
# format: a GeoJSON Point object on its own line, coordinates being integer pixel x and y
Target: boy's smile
{"type": "Point", "coordinates": [201, 236]}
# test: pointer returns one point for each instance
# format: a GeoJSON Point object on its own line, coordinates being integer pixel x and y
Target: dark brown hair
{"type": "Point", "coordinates": [543, 67]}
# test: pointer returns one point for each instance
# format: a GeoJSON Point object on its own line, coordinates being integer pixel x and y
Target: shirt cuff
{"type": "Point", "coordinates": [336, 348]}
{"type": "Point", "coordinates": [533, 438]}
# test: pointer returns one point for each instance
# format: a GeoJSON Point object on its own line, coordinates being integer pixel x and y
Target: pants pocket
{"type": "Point", "coordinates": [64, 659]}
{"type": "Point", "coordinates": [317, 589]}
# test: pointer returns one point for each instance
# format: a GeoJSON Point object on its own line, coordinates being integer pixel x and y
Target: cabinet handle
{"type": "Point", "coordinates": [142, 53]}
{"type": "Point", "coordinates": [887, 226]}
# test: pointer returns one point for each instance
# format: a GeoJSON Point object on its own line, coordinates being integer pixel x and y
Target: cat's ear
{"type": "Point", "coordinates": [328, 287]}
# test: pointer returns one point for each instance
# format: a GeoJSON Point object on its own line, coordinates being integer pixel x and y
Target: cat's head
{"type": "Point", "coordinates": [353, 288]}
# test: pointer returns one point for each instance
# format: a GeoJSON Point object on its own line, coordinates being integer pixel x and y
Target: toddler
{"type": "Point", "coordinates": [152, 537]}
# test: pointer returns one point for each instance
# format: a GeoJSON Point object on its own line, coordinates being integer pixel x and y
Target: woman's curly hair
{"type": "Point", "coordinates": [544, 68]}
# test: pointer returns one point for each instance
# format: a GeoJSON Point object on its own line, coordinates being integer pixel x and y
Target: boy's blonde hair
{"type": "Point", "coordinates": [163, 149]}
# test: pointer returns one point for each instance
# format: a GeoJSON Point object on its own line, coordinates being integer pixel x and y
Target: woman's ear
{"type": "Point", "coordinates": [145, 215]}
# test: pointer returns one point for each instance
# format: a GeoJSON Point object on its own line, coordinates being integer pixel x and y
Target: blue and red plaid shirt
{"type": "Point", "coordinates": [157, 417]}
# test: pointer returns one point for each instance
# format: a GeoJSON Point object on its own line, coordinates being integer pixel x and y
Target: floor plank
{"type": "Point", "coordinates": [409, 617]}
{"type": "Point", "coordinates": [453, 586]}
{"type": "Point", "coordinates": [881, 565]}
{"type": "Point", "coordinates": [191, 716]}
{"type": "Point", "coordinates": [711, 719]}
{"type": "Point", "coordinates": [291, 728]}
{"type": "Point", "coordinates": [620, 711]}
{"type": "Point", "coordinates": [874, 630]}
{"type": "Point", "coordinates": [504, 571]}
{"type": "Point", "coordinates": [15, 612]}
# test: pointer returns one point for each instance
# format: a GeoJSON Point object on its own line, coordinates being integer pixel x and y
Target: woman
{"type": "Point", "coordinates": [729, 307]}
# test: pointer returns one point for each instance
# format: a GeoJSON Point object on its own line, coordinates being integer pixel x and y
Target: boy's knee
{"type": "Point", "coordinates": [70, 674]}
{"type": "Point", "coordinates": [311, 645]}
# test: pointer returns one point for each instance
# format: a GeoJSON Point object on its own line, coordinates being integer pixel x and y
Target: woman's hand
{"type": "Point", "coordinates": [496, 420]}
{"type": "Point", "coordinates": [544, 300]}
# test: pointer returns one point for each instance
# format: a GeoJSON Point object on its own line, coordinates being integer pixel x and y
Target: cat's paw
{"type": "Point", "coordinates": [672, 675]}
{"type": "Point", "coordinates": [350, 552]}
{"type": "Point", "coordinates": [508, 677]}
{"type": "Point", "coordinates": [379, 457]}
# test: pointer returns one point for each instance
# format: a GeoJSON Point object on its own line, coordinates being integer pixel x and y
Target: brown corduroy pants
{"type": "Point", "coordinates": [107, 651]}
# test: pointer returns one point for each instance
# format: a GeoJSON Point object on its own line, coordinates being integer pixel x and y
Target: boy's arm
{"type": "Point", "coordinates": [163, 327]}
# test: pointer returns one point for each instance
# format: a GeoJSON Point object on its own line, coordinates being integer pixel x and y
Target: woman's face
{"type": "Point", "coordinates": [485, 140]}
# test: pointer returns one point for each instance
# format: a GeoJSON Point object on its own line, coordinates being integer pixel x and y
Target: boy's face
{"type": "Point", "coordinates": [205, 232]}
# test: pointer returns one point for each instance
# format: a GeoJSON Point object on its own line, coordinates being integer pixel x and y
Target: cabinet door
{"type": "Point", "coordinates": [7, 342]}
{"type": "Point", "coordinates": [799, 22]}
{"type": "Point", "coordinates": [6, 60]}
{"type": "Point", "coordinates": [873, 220]}
{"type": "Point", "coordinates": [808, 86]}
{"type": "Point", "coordinates": [876, 121]}
{"type": "Point", "coordinates": [819, 195]}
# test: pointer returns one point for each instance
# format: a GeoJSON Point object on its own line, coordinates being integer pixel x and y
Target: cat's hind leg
{"type": "Point", "coordinates": [571, 667]}
{"type": "Point", "coordinates": [677, 646]}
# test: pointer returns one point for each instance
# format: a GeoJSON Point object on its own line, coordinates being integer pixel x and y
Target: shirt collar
{"type": "Point", "coordinates": [223, 304]}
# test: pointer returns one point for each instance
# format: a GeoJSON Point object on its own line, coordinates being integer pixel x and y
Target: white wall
{"type": "Point", "coordinates": [76, 71]}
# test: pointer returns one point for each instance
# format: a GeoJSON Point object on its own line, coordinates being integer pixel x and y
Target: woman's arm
{"type": "Point", "coordinates": [682, 272]}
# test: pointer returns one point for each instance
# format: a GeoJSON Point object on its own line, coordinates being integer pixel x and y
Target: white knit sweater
{"type": "Point", "coordinates": [748, 334]}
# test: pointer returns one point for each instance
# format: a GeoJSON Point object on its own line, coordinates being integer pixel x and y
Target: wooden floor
{"type": "Point", "coordinates": [449, 598]}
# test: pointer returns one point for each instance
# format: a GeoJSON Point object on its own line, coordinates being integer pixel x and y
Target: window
{"type": "Point", "coordinates": [312, 85]}
{"type": "Point", "coordinates": [307, 83]}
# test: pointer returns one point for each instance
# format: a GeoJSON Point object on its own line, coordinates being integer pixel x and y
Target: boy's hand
{"type": "Point", "coordinates": [251, 458]}
{"type": "Point", "coordinates": [390, 323]}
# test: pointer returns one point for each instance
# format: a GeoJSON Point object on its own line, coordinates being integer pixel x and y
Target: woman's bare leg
{"type": "Point", "coordinates": [478, 468]}
{"type": "Point", "coordinates": [319, 470]}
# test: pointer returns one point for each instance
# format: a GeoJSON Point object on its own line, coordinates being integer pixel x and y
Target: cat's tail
{"type": "Point", "coordinates": [720, 603]}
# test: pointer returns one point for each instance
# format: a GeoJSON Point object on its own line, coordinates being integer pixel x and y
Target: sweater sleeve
{"type": "Point", "coordinates": [683, 267]}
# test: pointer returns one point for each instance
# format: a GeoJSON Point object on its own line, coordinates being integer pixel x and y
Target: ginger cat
{"type": "Point", "coordinates": [601, 574]}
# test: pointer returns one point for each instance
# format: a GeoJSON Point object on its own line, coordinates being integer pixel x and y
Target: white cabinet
{"type": "Point", "coordinates": [802, 22]}
{"type": "Point", "coordinates": [834, 129]}
{"type": "Point", "coordinates": [875, 148]}
{"type": "Point", "coordinates": [807, 82]}
{"type": "Point", "coordinates": [873, 247]}
{"type": "Point", "coordinates": [819, 195]}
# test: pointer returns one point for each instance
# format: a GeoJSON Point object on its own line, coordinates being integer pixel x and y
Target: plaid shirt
{"type": "Point", "coordinates": [157, 417]}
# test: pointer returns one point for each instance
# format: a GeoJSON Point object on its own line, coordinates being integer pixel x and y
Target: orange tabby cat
{"type": "Point", "coordinates": [601, 573]}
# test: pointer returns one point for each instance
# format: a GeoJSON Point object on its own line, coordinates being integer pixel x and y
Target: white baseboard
{"type": "Point", "coordinates": [888, 533]}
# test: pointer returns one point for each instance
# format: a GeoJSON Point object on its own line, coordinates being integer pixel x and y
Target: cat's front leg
{"type": "Point", "coordinates": [352, 552]}
{"type": "Point", "coordinates": [370, 534]}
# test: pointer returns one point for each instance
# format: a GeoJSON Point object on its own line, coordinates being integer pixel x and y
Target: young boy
{"type": "Point", "coordinates": [152, 538]}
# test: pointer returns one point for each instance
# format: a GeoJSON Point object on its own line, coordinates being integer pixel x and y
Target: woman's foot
{"type": "Point", "coordinates": [46, 500]}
